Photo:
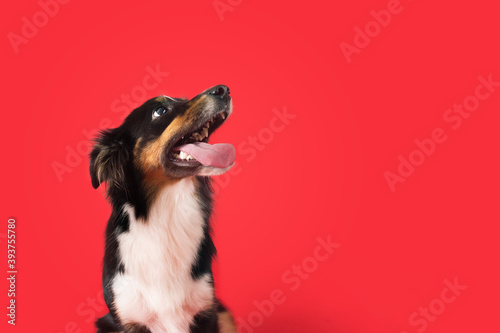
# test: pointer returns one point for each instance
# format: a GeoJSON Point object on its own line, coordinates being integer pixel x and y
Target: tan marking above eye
{"type": "Point", "coordinates": [161, 99]}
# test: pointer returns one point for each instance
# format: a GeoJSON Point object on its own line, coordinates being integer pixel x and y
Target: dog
{"type": "Point", "coordinates": [157, 274]}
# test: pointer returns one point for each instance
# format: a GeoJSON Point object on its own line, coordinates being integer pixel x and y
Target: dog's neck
{"type": "Point", "coordinates": [147, 193]}
{"type": "Point", "coordinates": [176, 217]}
{"type": "Point", "coordinates": [176, 201]}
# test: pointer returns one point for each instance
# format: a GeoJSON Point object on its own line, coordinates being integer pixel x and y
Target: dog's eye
{"type": "Point", "coordinates": [159, 111]}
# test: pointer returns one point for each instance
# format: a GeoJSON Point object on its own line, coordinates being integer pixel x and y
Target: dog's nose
{"type": "Point", "coordinates": [220, 91]}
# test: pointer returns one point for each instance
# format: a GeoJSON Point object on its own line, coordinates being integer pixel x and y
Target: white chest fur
{"type": "Point", "coordinates": [157, 289]}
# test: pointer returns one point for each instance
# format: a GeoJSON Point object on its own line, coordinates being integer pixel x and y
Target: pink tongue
{"type": "Point", "coordinates": [220, 155]}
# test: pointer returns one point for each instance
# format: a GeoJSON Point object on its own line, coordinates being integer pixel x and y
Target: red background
{"type": "Point", "coordinates": [323, 174]}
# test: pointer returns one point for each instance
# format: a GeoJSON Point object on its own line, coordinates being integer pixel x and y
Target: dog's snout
{"type": "Point", "coordinates": [220, 91]}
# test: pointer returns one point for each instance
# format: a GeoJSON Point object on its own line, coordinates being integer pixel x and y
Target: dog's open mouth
{"type": "Point", "coordinates": [193, 148]}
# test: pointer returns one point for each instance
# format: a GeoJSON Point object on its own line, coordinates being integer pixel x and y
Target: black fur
{"type": "Point", "coordinates": [207, 250]}
{"type": "Point", "coordinates": [105, 324]}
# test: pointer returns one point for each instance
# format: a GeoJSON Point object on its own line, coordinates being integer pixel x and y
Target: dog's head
{"type": "Point", "coordinates": [164, 140]}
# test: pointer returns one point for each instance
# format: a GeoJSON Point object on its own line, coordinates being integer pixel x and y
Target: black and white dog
{"type": "Point", "coordinates": [157, 274]}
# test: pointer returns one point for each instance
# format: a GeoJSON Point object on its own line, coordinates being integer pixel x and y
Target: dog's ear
{"type": "Point", "coordinates": [108, 160]}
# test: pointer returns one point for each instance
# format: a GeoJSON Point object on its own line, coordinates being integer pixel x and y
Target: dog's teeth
{"type": "Point", "coordinates": [183, 156]}
{"type": "Point", "coordinates": [223, 116]}
{"type": "Point", "coordinates": [205, 133]}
